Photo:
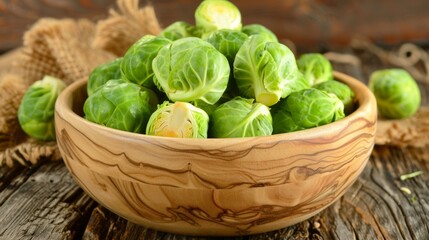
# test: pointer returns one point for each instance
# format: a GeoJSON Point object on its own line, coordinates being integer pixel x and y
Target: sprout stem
{"type": "Point", "coordinates": [410, 175]}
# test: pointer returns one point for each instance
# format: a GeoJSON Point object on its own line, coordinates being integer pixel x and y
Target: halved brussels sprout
{"type": "Point", "coordinates": [121, 105]}
{"type": "Point", "coordinates": [103, 73]}
{"type": "Point", "coordinates": [136, 65]}
{"type": "Point", "coordinates": [228, 42]}
{"type": "Point", "coordinates": [305, 109]}
{"type": "Point", "coordinates": [266, 71]}
{"type": "Point", "coordinates": [240, 117]}
{"type": "Point", "coordinates": [397, 93]}
{"type": "Point", "coordinates": [178, 30]}
{"type": "Point", "coordinates": [342, 91]}
{"type": "Point", "coordinates": [212, 15]}
{"type": "Point", "coordinates": [253, 29]}
{"type": "Point", "coordinates": [37, 108]}
{"type": "Point", "coordinates": [191, 69]}
{"type": "Point", "coordinates": [315, 67]}
{"type": "Point", "coordinates": [179, 119]}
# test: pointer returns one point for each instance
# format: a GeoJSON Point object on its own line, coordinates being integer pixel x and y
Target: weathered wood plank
{"type": "Point", "coordinates": [105, 225]}
{"type": "Point", "coordinates": [10, 179]}
{"type": "Point", "coordinates": [43, 203]}
{"type": "Point", "coordinates": [376, 207]}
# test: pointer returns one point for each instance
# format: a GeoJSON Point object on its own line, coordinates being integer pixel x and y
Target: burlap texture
{"type": "Point", "coordinates": [125, 26]}
{"type": "Point", "coordinates": [67, 49]}
{"type": "Point", "coordinates": [409, 132]}
{"type": "Point", "coordinates": [61, 48]}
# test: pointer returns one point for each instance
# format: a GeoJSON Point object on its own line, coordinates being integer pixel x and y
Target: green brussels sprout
{"type": "Point", "coordinates": [136, 65]}
{"type": "Point", "coordinates": [212, 15]}
{"type": "Point", "coordinates": [178, 30]}
{"type": "Point", "coordinates": [228, 42]}
{"type": "Point", "coordinates": [253, 29]}
{"type": "Point", "coordinates": [209, 108]}
{"type": "Point", "coordinates": [315, 67]}
{"type": "Point", "coordinates": [37, 108]}
{"type": "Point", "coordinates": [266, 71]}
{"type": "Point", "coordinates": [191, 69]}
{"type": "Point", "coordinates": [179, 119]}
{"type": "Point", "coordinates": [121, 105]}
{"type": "Point", "coordinates": [240, 117]}
{"type": "Point", "coordinates": [305, 109]}
{"type": "Point", "coordinates": [103, 73]}
{"type": "Point", "coordinates": [342, 91]}
{"type": "Point", "coordinates": [397, 93]}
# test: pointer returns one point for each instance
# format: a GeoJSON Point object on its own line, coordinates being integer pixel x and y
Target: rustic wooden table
{"type": "Point", "coordinates": [44, 202]}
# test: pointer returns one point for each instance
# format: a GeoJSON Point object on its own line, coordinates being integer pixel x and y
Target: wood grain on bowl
{"type": "Point", "coordinates": [216, 186]}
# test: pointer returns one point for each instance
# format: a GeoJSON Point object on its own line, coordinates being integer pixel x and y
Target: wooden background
{"type": "Point", "coordinates": [312, 25]}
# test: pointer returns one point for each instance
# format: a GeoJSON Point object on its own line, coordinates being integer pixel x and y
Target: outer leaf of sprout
{"type": "Point", "coordinates": [315, 67]}
{"type": "Point", "coordinates": [103, 73]}
{"type": "Point", "coordinates": [37, 108]}
{"type": "Point", "coordinates": [305, 109]}
{"type": "Point", "coordinates": [240, 117]}
{"type": "Point", "coordinates": [121, 105]}
{"type": "Point", "coordinates": [178, 30]}
{"type": "Point", "coordinates": [136, 65]}
{"type": "Point", "coordinates": [342, 91]}
{"type": "Point", "coordinates": [191, 69]}
{"type": "Point", "coordinates": [212, 15]}
{"type": "Point", "coordinates": [253, 29]}
{"type": "Point", "coordinates": [266, 71]}
{"type": "Point", "coordinates": [228, 42]}
{"type": "Point", "coordinates": [397, 93]}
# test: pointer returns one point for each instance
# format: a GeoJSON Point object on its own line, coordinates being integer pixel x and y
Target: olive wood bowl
{"type": "Point", "coordinates": [216, 187]}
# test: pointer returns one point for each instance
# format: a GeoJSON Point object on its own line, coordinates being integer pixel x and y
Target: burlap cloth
{"type": "Point", "coordinates": [70, 49]}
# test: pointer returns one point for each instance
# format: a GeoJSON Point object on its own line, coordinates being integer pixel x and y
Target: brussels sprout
{"type": "Point", "coordinates": [103, 73]}
{"type": "Point", "coordinates": [266, 71]}
{"type": "Point", "coordinates": [121, 105]}
{"type": "Point", "coordinates": [209, 108]}
{"type": "Point", "coordinates": [253, 29]}
{"type": "Point", "coordinates": [315, 67]}
{"type": "Point", "coordinates": [240, 117]}
{"type": "Point", "coordinates": [343, 92]}
{"type": "Point", "coordinates": [37, 107]}
{"type": "Point", "coordinates": [177, 30]}
{"type": "Point", "coordinates": [397, 93]}
{"type": "Point", "coordinates": [228, 42]}
{"type": "Point", "coordinates": [191, 69]}
{"type": "Point", "coordinates": [136, 65]}
{"type": "Point", "coordinates": [179, 119]}
{"type": "Point", "coordinates": [305, 109]}
{"type": "Point", "coordinates": [212, 15]}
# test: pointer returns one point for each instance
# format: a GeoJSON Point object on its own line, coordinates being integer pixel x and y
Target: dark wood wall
{"type": "Point", "coordinates": [311, 25]}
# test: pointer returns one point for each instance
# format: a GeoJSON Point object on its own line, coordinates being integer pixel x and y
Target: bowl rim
{"type": "Point", "coordinates": [365, 105]}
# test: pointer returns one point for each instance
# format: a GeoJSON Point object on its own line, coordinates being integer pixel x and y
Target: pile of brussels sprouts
{"type": "Point", "coordinates": [217, 79]}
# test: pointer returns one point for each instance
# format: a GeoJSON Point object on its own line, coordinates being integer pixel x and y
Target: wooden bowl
{"type": "Point", "coordinates": [219, 187]}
